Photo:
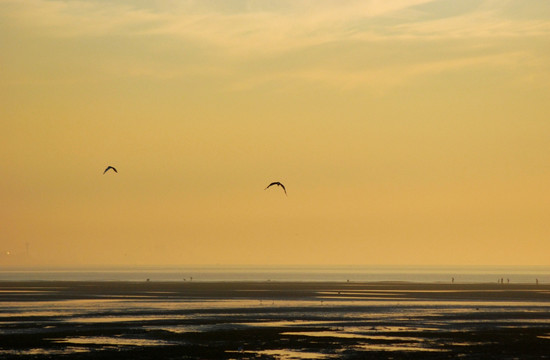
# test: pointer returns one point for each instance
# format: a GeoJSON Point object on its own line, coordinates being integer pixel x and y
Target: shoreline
{"type": "Point", "coordinates": [28, 290]}
{"type": "Point", "coordinates": [360, 274]}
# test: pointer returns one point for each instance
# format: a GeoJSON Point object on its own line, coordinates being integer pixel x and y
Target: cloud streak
{"type": "Point", "coordinates": [386, 77]}
{"type": "Point", "coordinates": [254, 26]}
{"type": "Point", "coordinates": [244, 31]}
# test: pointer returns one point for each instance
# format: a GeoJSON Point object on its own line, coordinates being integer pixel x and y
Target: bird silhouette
{"type": "Point", "coordinates": [109, 167]}
{"type": "Point", "coordinates": [278, 184]}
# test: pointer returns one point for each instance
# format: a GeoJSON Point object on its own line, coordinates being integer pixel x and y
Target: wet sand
{"type": "Point", "coordinates": [273, 320]}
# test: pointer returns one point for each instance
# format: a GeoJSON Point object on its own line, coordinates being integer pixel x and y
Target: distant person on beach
{"type": "Point", "coordinates": [537, 281]}
{"type": "Point", "coordinates": [453, 280]}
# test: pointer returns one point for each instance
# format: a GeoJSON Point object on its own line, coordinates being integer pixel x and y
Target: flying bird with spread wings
{"type": "Point", "coordinates": [109, 168]}
{"type": "Point", "coordinates": [278, 184]}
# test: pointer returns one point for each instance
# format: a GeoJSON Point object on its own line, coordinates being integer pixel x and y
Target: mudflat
{"type": "Point", "coordinates": [273, 320]}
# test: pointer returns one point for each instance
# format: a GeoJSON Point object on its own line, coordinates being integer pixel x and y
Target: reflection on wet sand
{"type": "Point", "coordinates": [351, 335]}
{"type": "Point", "coordinates": [397, 348]}
{"type": "Point", "coordinates": [292, 355]}
{"type": "Point", "coordinates": [121, 318]}
{"type": "Point", "coordinates": [273, 321]}
{"type": "Point", "coordinates": [44, 352]}
{"type": "Point", "coordinates": [112, 341]}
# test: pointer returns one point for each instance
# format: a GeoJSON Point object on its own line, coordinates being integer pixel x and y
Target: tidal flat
{"type": "Point", "coordinates": [273, 320]}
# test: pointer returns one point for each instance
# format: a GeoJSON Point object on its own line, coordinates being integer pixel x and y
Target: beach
{"type": "Point", "coordinates": [273, 320]}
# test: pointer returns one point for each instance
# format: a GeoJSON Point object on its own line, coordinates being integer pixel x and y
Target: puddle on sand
{"type": "Point", "coordinates": [374, 329]}
{"type": "Point", "coordinates": [39, 351]}
{"type": "Point", "coordinates": [113, 341]}
{"type": "Point", "coordinates": [30, 315]}
{"type": "Point", "coordinates": [115, 318]}
{"type": "Point", "coordinates": [465, 344]}
{"type": "Point", "coordinates": [290, 354]}
{"type": "Point", "coordinates": [182, 329]}
{"type": "Point", "coordinates": [287, 323]}
{"type": "Point", "coordinates": [334, 334]}
{"type": "Point", "coordinates": [29, 291]}
{"type": "Point", "coordinates": [397, 347]}
{"type": "Point", "coordinates": [348, 335]}
{"type": "Point", "coordinates": [412, 344]}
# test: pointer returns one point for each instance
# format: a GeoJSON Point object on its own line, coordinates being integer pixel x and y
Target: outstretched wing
{"type": "Point", "coordinates": [273, 183]}
{"type": "Point", "coordinates": [278, 184]}
{"type": "Point", "coordinates": [107, 169]}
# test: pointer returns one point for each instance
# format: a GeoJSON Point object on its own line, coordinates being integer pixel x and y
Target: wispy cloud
{"type": "Point", "coordinates": [79, 18]}
{"type": "Point", "coordinates": [248, 30]}
{"type": "Point", "coordinates": [277, 25]}
{"type": "Point", "coordinates": [486, 24]}
{"type": "Point", "coordinates": [249, 26]}
{"type": "Point", "coordinates": [384, 77]}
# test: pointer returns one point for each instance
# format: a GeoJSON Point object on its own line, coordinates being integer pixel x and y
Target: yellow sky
{"type": "Point", "coordinates": [406, 132]}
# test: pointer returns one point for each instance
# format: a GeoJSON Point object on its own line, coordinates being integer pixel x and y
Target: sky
{"type": "Point", "coordinates": [407, 132]}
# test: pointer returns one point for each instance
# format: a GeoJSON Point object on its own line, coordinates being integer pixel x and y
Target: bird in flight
{"type": "Point", "coordinates": [108, 168]}
{"type": "Point", "coordinates": [278, 184]}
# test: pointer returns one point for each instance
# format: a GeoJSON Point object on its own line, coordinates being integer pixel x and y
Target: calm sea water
{"type": "Point", "coordinates": [298, 273]}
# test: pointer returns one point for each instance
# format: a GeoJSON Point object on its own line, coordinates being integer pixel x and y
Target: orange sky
{"type": "Point", "coordinates": [406, 132]}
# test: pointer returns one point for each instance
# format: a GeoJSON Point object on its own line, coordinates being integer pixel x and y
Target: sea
{"type": "Point", "coordinates": [217, 273]}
